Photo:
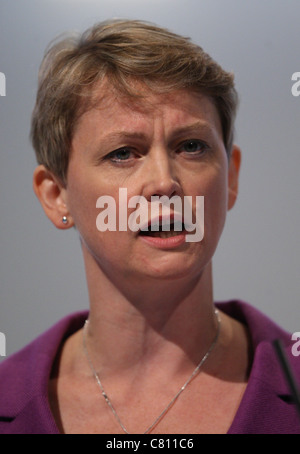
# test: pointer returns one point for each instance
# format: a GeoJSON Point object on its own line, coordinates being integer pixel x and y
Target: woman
{"type": "Point", "coordinates": [133, 109]}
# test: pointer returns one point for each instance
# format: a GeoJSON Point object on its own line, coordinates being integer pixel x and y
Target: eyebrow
{"type": "Point", "coordinates": [124, 135]}
{"type": "Point", "coordinates": [182, 130]}
{"type": "Point", "coordinates": [195, 127]}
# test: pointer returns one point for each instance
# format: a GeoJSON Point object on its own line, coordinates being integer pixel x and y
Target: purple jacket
{"type": "Point", "coordinates": [266, 407]}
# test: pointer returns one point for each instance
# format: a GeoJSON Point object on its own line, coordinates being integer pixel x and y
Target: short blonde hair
{"type": "Point", "coordinates": [121, 51]}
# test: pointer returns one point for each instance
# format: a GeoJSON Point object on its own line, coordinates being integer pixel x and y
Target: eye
{"type": "Point", "coordinates": [193, 147]}
{"type": "Point", "coordinates": [121, 155]}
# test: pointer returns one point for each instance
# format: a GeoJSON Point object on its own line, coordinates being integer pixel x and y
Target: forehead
{"type": "Point", "coordinates": [112, 109]}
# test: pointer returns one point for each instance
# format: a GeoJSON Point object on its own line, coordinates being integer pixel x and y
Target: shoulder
{"type": "Point", "coordinates": [268, 406]}
{"type": "Point", "coordinates": [24, 377]}
{"type": "Point", "coordinates": [260, 326]}
{"type": "Point", "coordinates": [263, 331]}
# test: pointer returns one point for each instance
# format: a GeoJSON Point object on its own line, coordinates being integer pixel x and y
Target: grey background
{"type": "Point", "coordinates": [41, 268]}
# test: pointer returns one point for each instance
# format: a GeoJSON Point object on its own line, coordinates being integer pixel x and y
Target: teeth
{"type": "Point", "coordinates": [173, 230]}
{"type": "Point", "coordinates": [167, 234]}
{"type": "Point", "coordinates": [178, 226]}
{"type": "Point", "coordinates": [163, 234]}
{"type": "Point", "coordinates": [166, 227]}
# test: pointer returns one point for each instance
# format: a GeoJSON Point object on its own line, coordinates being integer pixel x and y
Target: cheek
{"type": "Point", "coordinates": [83, 190]}
{"type": "Point", "coordinates": [212, 184]}
{"type": "Point", "coordinates": [215, 203]}
{"type": "Point", "coordinates": [82, 205]}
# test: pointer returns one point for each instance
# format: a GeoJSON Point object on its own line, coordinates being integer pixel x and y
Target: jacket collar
{"type": "Point", "coordinates": [28, 372]}
{"type": "Point", "coordinates": [24, 376]}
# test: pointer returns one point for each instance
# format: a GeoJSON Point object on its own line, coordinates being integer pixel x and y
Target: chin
{"type": "Point", "coordinates": [172, 269]}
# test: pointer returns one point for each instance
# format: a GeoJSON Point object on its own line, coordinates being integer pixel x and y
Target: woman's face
{"type": "Point", "coordinates": [162, 145]}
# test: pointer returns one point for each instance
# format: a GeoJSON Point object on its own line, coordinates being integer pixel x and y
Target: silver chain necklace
{"type": "Point", "coordinates": [157, 420]}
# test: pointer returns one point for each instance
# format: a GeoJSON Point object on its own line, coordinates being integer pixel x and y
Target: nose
{"type": "Point", "coordinates": [160, 175]}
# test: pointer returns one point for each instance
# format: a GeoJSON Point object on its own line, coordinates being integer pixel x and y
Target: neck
{"type": "Point", "coordinates": [130, 326]}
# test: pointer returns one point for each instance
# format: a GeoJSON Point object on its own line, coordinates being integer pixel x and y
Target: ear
{"type": "Point", "coordinates": [233, 175]}
{"type": "Point", "coordinates": [52, 196]}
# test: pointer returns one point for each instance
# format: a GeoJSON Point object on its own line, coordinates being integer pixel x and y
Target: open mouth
{"type": "Point", "coordinates": [163, 230]}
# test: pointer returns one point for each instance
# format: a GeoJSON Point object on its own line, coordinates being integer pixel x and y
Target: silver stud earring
{"type": "Point", "coordinates": [64, 220]}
